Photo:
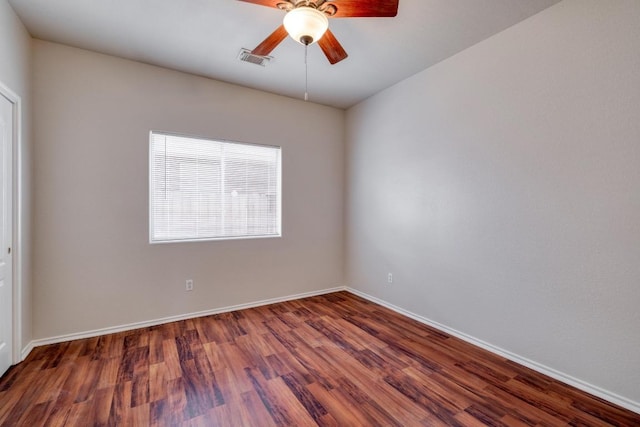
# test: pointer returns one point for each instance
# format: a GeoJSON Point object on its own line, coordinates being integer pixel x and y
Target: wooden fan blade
{"type": "Point", "coordinates": [268, 3]}
{"type": "Point", "coordinates": [366, 8]}
{"type": "Point", "coordinates": [332, 48]}
{"type": "Point", "coordinates": [271, 42]}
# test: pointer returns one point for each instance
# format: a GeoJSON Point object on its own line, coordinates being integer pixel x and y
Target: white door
{"type": "Point", "coordinates": [6, 287]}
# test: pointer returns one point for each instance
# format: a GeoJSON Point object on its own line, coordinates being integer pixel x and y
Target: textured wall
{"type": "Point", "coordinates": [501, 187]}
{"type": "Point", "coordinates": [94, 267]}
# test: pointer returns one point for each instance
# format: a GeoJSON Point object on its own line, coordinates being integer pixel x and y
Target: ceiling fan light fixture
{"type": "Point", "coordinates": [306, 25]}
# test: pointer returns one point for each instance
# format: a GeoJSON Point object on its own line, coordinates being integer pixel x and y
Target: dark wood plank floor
{"type": "Point", "coordinates": [332, 360]}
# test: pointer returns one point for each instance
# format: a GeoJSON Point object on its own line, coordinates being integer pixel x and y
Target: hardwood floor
{"type": "Point", "coordinates": [332, 360]}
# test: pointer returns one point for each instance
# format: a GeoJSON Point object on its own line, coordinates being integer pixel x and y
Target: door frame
{"type": "Point", "coordinates": [16, 223]}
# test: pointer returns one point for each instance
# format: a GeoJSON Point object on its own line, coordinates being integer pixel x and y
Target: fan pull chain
{"type": "Point", "coordinates": [306, 74]}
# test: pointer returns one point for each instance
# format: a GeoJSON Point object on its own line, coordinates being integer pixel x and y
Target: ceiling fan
{"type": "Point", "coordinates": [306, 22]}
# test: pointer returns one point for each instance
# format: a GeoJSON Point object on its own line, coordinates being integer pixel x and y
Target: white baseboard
{"type": "Point", "coordinates": [560, 376]}
{"type": "Point", "coordinates": [146, 324]}
{"type": "Point", "coordinates": [25, 351]}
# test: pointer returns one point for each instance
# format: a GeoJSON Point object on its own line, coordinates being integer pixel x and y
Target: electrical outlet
{"type": "Point", "coordinates": [390, 278]}
{"type": "Point", "coordinates": [189, 285]}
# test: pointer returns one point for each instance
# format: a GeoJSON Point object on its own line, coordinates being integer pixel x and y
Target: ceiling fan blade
{"type": "Point", "coordinates": [268, 3]}
{"type": "Point", "coordinates": [271, 42]}
{"type": "Point", "coordinates": [332, 48]}
{"type": "Point", "coordinates": [366, 8]}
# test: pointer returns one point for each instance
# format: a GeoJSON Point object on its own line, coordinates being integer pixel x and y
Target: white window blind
{"type": "Point", "coordinates": [203, 189]}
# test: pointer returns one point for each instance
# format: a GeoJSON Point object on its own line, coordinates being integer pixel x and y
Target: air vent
{"type": "Point", "coordinates": [246, 56]}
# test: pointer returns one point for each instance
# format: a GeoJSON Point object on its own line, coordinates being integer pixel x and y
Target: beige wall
{"type": "Point", "coordinates": [94, 267]}
{"type": "Point", "coordinates": [501, 187]}
{"type": "Point", "coordinates": [15, 66]}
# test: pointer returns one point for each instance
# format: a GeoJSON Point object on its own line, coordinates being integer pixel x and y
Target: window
{"type": "Point", "coordinates": [202, 189]}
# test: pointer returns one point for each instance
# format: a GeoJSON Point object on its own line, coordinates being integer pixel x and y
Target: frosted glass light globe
{"type": "Point", "coordinates": [305, 24]}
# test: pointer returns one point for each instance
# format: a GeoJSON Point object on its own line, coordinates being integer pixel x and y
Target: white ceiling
{"type": "Point", "coordinates": [204, 37]}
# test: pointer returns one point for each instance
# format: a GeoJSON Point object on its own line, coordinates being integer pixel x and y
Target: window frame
{"type": "Point", "coordinates": [219, 238]}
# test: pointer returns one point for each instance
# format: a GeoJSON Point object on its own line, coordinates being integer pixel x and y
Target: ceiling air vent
{"type": "Point", "coordinates": [246, 56]}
